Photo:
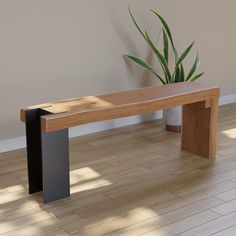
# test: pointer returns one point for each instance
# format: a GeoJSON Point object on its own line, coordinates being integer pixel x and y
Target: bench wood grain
{"type": "Point", "coordinates": [72, 112]}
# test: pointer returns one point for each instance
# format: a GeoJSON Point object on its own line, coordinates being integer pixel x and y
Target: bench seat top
{"type": "Point", "coordinates": [73, 112]}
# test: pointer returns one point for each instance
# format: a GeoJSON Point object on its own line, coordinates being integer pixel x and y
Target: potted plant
{"type": "Point", "coordinates": [172, 116]}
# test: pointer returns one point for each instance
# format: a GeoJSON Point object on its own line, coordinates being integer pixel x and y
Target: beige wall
{"type": "Point", "coordinates": [56, 49]}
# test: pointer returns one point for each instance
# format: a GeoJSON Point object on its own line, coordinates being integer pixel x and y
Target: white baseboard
{"type": "Point", "coordinates": [18, 143]}
{"type": "Point", "coordinates": [227, 99]}
{"type": "Point", "coordinates": [12, 144]}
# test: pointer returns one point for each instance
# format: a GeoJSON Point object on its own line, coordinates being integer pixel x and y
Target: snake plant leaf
{"type": "Point", "coordinates": [145, 65]}
{"type": "Point", "coordinates": [179, 74]}
{"type": "Point", "coordinates": [194, 68]}
{"type": "Point", "coordinates": [165, 46]}
{"type": "Point", "coordinates": [196, 77]}
{"type": "Point", "coordinates": [176, 76]}
{"type": "Point", "coordinates": [136, 24]}
{"type": "Point", "coordinates": [176, 55]}
{"type": "Point", "coordinates": [167, 28]}
{"type": "Point", "coordinates": [182, 73]}
{"type": "Point", "coordinates": [168, 31]}
{"type": "Point", "coordinates": [184, 54]}
{"type": "Point", "coordinates": [160, 57]}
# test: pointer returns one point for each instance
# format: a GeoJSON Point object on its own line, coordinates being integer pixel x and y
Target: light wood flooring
{"type": "Point", "coordinates": [129, 181]}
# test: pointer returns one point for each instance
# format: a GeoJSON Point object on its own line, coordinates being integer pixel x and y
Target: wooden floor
{"type": "Point", "coordinates": [129, 181]}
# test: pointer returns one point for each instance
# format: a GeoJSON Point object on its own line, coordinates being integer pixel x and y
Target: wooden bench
{"type": "Point", "coordinates": [47, 127]}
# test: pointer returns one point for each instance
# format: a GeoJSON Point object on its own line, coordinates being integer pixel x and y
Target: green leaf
{"type": "Point", "coordinates": [145, 65]}
{"type": "Point", "coordinates": [137, 26]}
{"type": "Point", "coordinates": [165, 46]}
{"type": "Point", "coordinates": [194, 68]}
{"type": "Point", "coordinates": [176, 55]}
{"type": "Point", "coordinates": [160, 57]}
{"type": "Point", "coordinates": [182, 74]}
{"type": "Point", "coordinates": [185, 53]}
{"type": "Point", "coordinates": [167, 28]}
{"type": "Point", "coordinates": [168, 31]}
{"type": "Point", "coordinates": [196, 77]}
{"type": "Point", "coordinates": [176, 76]}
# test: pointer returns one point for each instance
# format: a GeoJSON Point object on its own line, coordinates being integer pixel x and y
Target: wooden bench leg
{"type": "Point", "coordinates": [55, 161]}
{"type": "Point", "coordinates": [199, 128]}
